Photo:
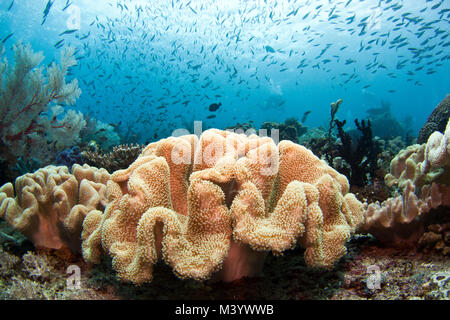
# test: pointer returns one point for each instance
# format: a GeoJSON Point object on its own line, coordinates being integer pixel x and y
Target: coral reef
{"type": "Point", "coordinates": [437, 151]}
{"type": "Point", "coordinates": [439, 286]}
{"type": "Point", "coordinates": [104, 135]}
{"type": "Point", "coordinates": [242, 127]}
{"type": "Point", "coordinates": [69, 157]}
{"type": "Point", "coordinates": [401, 220]}
{"type": "Point", "coordinates": [7, 263]}
{"type": "Point", "coordinates": [50, 204]}
{"type": "Point", "coordinates": [420, 173]}
{"type": "Point", "coordinates": [220, 202]}
{"type": "Point", "coordinates": [26, 94]}
{"type": "Point", "coordinates": [383, 123]}
{"type": "Point", "coordinates": [290, 130]}
{"type": "Point", "coordinates": [437, 120]}
{"type": "Point", "coordinates": [121, 157]}
{"type": "Point", "coordinates": [436, 239]}
{"type": "Point", "coordinates": [404, 275]}
{"type": "Point", "coordinates": [37, 266]}
{"type": "Point", "coordinates": [361, 157]}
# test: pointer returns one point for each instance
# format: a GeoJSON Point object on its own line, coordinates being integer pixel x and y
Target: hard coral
{"type": "Point", "coordinates": [119, 158]}
{"type": "Point", "coordinates": [437, 151]}
{"type": "Point", "coordinates": [220, 202]}
{"type": "Point", "coordinates": [436, 121]}
{"type": "Point", "coordinates": [50, 204]}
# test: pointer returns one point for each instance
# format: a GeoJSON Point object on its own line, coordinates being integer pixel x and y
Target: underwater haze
{"type": "Point", "coordinates": [104, 194]}
{"type": "Point", "coordinates": [151, 67]}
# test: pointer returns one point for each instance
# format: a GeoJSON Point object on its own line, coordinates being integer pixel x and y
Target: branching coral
{"type": "Point", "coordinates": [210, 204]}
{"type": "Point", "coordinates": [360, 156]}
{"type": "Point", "coordinates": [26, 93]}
{"type": "Point", "coordinates": [50, 204]}
{"type": "Point", "coordinates": [120, 157]}
{"type": "Point", "coordinates": [421, 173]}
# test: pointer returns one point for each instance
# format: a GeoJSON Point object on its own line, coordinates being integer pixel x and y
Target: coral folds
{"type": "Point", "coordinates": [50, 204]}
{"type": "Point", "coordinates": [220, 202]}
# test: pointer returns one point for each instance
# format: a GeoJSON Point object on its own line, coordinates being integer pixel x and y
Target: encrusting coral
{"type": "Point", "coordinates": [220, 202]}
{"type": "Point", "coordinates": [51, 203]}
{"type": "Point", "coordinates": [421, 173]}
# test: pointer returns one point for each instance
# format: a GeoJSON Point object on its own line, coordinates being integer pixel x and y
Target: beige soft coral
{"type": "Point", "coordinates": [217, 202]}
{"type": "Point", "coordinates": [51, 203]}
{"type": "Point", "coordinates": [421, 175]}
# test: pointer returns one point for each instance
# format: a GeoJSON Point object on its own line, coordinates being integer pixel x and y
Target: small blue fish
{"type": "Point", "coordinates": [11, 5]}
{"type": "Point", "coordinates": [47, 10]}
{"type": "Point", "coordinates": [67, 5]}
{"type": "Point", "coordinates": [269, 49]}
{"type": "Point", "coordinates": [68, 32]}
{"type": "Point", "coordinates": [59, 43]}
{"type": "Point", "coordinates": [7, 37]}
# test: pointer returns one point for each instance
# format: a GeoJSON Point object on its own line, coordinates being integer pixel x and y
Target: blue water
{"type": "Point", "coordinates": [251, 56]}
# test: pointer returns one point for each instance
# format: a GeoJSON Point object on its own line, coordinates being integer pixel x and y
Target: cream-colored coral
{"type": "Point", "coordinates": [437, 152]}
{"type": "Point", "coordinates": [189, 201]}
{"type": "Point", "coordinates": [421, 174]}
{"type": "Point", "coordinates": [400, 220]}
{"type": "Point", "coordinates": [51, 203]}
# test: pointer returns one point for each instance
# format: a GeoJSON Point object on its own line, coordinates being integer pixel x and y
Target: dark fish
{"type": "Point", "coordinates": [59, 43]}
{"type": "Point", "coordinates": [269, 49]}
{"type": "Point", "coordinates": [67, 5]}
{"type": "Point", "coordinates": [47, 10]}
{"type": "Point", "coordinates": [68, 32]}
{"type": "Point", "coordinates": [211, 116]}
{"type": "Point", "coordinates": [7, 37]}
{"type": "Point", "coordinates": [192, 10]}
{"type": "Point", "coordinates": [305, 115]}
{"type": "Point", "coordinates": [85, 36]}
{"type": "Point", "coordinates": [214, 106]}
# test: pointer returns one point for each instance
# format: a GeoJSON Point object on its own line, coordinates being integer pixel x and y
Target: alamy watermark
{"type": "Point", "coordinates": [373, 281]}
{"type": "Point", "coordinates": [263, 154]}
{"type": "Point", "coordinates": [73, 281]}
{"type": "Point", "coordinates": [74, 20]}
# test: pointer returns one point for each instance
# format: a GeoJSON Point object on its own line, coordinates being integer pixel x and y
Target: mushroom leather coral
{"type": "Point", "coordinates": [400, 221]}
{"type": "Point", "coordinates": [422, 173]}
{"type": "Point", "coordinates": [50, 204]}
{"type": "Point", "coordinates": [188, 201]}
